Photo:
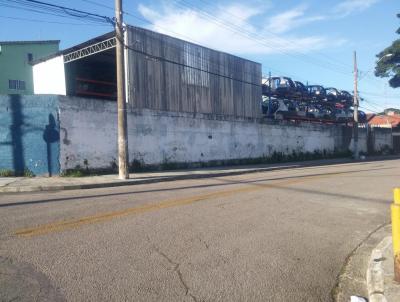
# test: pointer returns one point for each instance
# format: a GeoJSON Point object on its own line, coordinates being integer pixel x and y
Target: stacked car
{"type": "Point", "coordinates": [287, 98]}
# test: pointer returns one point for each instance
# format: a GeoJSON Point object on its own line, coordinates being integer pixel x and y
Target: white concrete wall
{"type": "Point", "coordinates": [88, 132]}
{"type": "Point", "coordinates": [362, 141]}
{"type": "Point", "coordinates": [169, 137]}
{"type": "Point", "coordinates": [49, 77]}
{"type": "Point", "coordinates": [382, 139]}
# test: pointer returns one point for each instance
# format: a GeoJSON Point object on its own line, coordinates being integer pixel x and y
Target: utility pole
{"type": "Point", "coordinates": [269, 94]}
{"type": "Point", "coordinates": [122, 123]}
{"type": "Point", "coordinates": [355, 105]}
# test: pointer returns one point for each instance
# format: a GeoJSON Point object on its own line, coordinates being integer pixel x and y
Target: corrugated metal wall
{"type": "Point", "coordinates": [169, 74]}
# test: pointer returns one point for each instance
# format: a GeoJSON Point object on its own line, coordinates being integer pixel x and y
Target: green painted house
{"type": "Point", "coordinates": [15, 63]}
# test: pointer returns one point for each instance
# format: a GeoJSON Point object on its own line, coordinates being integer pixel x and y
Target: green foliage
{"type": "Point", "coordinates": [28, 173]}
{"type": "Point", "coordinates": [389, 67]}
{"type": "Point", "coordinates": [135, 165]}
{"type": "Point", "coordinates": [74, 173]}
{"type": "Point", "coordinates": [6, 173]}
{"type": "Point", "coordinates": [11, 173]}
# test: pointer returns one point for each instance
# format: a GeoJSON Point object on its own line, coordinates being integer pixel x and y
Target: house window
{"type": "Point", "coordinates": [12, 84]}
{"type": "Point", "coordinates": [21, 85]}
{"type": "Point", "coordinates": [30, 57]}
{"type": "Point", "coordinates": [16, 85]}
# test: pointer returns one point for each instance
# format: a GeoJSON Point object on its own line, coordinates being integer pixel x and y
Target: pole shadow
{"type": "Point", "coordinates": [17, 122]}
{"type": "Point", "coordinates": [51, 135]}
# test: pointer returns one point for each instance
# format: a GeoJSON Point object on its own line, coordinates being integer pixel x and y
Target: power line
{"type": "Point", "coordinates": [281, 38]}
{"type": "Point", "coordinates": [158, 58]}
{"type": "Point", "coordinates": [381, 95]}
{"type": "Point", "coordinates": [137, 17]}
{"type": "Point", "coordinates": [52, 22]}
{"type": "Point", "coordinates": [56, 10]}
{"type": "Point", "coordinates": [172, 45]}
{"type": "Point", "coordinates": [372, 104]}
{"type": "Point", "coordinates": [70, 10]}
{"type": "Point", "coordinates": [234, 28]}
{"type": "Point", "coordinates": [369, 109]}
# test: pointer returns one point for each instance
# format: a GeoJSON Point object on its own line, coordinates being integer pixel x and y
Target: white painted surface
{"type": "Point", "coordinates": [49, 77]}
{"type": "Point", "coordinates": [89, 132]}
{"type": "Point", "coordinates": [382, 139]}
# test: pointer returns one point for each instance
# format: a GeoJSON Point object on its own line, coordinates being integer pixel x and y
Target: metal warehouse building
{"type": "Point", "coordinates": [162, 73]}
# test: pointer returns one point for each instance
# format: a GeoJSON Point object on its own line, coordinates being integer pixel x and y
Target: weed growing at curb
{"type": "Point", "coordinates": [139, 166]}
{"type": "Point", "coordinates": [12, 173]}
{"type": "Point", "coordinates": [6, 173]}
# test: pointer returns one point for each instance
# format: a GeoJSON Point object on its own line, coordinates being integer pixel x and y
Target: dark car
{"type": "Point", "coordinates": [346, 97]}
{"type": "Point", "coordinates": [332, 94]}
{"type": "Point", "coordinates": [301, 91]}
{"type": "Point", "coordinates": [281, 87]}
{"type": "Point", "coordinates": [317, 92]}
{"type": "Point", "coordinates": [362, 117]}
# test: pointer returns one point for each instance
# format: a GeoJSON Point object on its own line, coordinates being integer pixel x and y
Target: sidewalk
{"type": "Point", "coordinates": [380, 284]}
{"type": "Point", "coordinates": [35, 184]}
{"type": "Point", "coordinates": [368, 272]}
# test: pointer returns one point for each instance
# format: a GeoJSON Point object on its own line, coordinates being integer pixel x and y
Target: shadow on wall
{"type": "Point", "coordinates": [50, 136]}
{"type": "Point", "coordinates": [19, 129]}
{"type": "Point", "coordinates": [17, 121]}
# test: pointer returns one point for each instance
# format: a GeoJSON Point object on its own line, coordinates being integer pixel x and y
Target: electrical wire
{"type": "Point", "coordinates": [176, 46]}
{"type": "Point", "coordinates": [55, 10]}
{"type": "Point", "coordinates": [158, 58]}
{"type": "Point", "coordinates": [137, 17]}
{"type": "Point", "coordinates": [235, 29]}
{"type": "Point", "coordinates": [51, 22]}
{"type": "Point", "coordinates": [61, 11]}
{"type": "Point", "coordinates": [288, 42]}
{"type": "Point", "coordinates": [369, 109]}
{"type": "Point", "coordinates": [381, 95]}
{"type": "Point", "coordinates": [186, 37]}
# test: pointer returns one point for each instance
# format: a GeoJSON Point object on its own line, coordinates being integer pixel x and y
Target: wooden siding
{"type": "Point", "coordinates": [170, 74]}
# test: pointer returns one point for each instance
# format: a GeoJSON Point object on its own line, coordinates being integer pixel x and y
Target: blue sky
{"type": "Point", "coordinates": [312, 41]}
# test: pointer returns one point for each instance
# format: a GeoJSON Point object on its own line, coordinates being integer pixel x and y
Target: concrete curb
{"type": "Point", "coordinates": [130, 182]}
{"type": "Point", "coordinates": [375, 272]}
{"type": "Point", "coordinates": [352, 277]}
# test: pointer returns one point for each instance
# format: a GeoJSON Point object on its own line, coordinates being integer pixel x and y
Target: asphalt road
{"type": "Point", "coordinates": [282, 235]}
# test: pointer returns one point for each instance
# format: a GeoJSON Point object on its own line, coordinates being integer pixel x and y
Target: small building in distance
{"type": "Point", "coordinates": [15, 63]}
{"type": "Point", "coordinates": [385, 121]}
{"type": "Point", "coordinates": [389, 120]}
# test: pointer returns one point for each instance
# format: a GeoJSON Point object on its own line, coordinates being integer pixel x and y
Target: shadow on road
{"type": "Point", "coordinates": [223, 182]}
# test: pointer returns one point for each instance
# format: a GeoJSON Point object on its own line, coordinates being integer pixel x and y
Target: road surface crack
{"type": "Point", "coordinates": [202, 241]}
{"type": "Point", "coordinates": [11, 182]}
{"type": "Point", "coordinates": [176, 269]}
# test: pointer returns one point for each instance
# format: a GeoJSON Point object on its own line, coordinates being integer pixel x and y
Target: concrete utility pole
{"type": "Point", "coordinates": [122, 124]}
{"type": "Point", "coordinates": [355, 105]}
{"type": "Point", "coordinates": [269, 94]}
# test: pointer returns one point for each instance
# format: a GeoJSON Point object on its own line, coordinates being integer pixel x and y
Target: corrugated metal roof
{"type": "Point", "coordinates": [76, 47]}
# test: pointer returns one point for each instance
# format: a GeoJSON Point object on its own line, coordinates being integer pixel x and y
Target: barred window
{"type": "Point", "coordinates": [16, 85]}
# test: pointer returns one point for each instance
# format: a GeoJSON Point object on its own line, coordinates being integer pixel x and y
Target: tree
{"type": "Point", "coordinates": [390, 65]}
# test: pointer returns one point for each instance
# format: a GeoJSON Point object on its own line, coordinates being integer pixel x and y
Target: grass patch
{"type": "Point", "coordinates": [12, 173]}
